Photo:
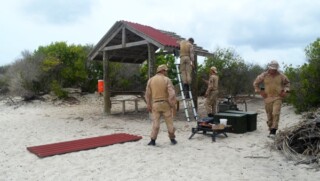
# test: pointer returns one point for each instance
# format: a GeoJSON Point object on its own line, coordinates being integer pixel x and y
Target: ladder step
{"type": "Point", "coordinates": [186, 101]}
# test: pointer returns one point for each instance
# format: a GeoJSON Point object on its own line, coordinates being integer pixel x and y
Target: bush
{"type": "Point", "coordinates": [57, 90]}
{"type": "Point", "coordinates": [305, 86]}
{"type": "Point", "coordinates": [235, 76]}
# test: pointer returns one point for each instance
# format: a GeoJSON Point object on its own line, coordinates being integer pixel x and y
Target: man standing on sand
{"type": "Point", "coordinates": [212, 92]}
{"type": "Point", "coordinates": [161, 99]}
{"type": "Point", "coordinates": [186, 63]}
{"type": "Point", "coordinates": [276, 87]}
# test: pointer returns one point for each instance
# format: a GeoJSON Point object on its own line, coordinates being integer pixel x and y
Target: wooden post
{"type": "Point", "coordinates": [124, 38]}
{"type": "Point", "coordinates": [195, 82]}
{"type": "Point", "coordinates": [106, 85]}
{"type": "Point", "coordinates": [136, 105]}
{"type": "Point", "coordinates": [123, 106]}
{"type": "Point", "coordinates": [151, 61]}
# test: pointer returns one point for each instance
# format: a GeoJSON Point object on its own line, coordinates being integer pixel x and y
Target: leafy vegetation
{"type": "Point", "coordinates": [59, 65]}
{"type": "Point", "coordinates": [167, 59]}
{"type": "Point", "coordinates": [4, 80]}
{"type": "Point", "coordinates": [235, 76]}
{"type": "Point", "coordinates": [305, 86]}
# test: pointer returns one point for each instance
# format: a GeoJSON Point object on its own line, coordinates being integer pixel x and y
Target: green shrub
{"type": "Point", "coordinates": [305, 94]}
{"type": "Point", "coordinates": [57, 90]}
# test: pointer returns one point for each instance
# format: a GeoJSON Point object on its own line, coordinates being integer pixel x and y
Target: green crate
{"type": "Point", "coordinates": [222, 107]}
{"type": "Point", "coordinates": [237, 121]}
{"type": "Point", "coordinates": [251, 118]}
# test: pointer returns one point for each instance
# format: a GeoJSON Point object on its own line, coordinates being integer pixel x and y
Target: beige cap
{"type": "Point", "coordinates": [162, 67]}
{"type": "Point", "coordinates": [274, 65]}
{"type": "Point", "coordinates": [191, 40]}
{"type": "Point", "coordinates": [214, 69]}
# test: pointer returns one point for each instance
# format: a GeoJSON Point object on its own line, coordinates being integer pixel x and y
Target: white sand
{"type": "Point", "coordinates": [237, 157]}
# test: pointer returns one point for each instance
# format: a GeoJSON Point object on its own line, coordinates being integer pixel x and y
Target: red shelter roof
{"type": "Point", "coordinates": [155, 34]}
{"type": "Point", "coordinates": [130, 42]}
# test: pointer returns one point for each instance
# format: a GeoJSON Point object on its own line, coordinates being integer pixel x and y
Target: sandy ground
{"type": "Point", "coordinates": [237, 157]}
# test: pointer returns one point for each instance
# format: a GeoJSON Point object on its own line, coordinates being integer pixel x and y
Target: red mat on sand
{"type": "Point", "coordinates": [81, 144]}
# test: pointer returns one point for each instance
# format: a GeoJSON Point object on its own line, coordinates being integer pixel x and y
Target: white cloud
{"type": "Point", "coordinates": [58, 11]}
{"type": "Point", "coordinates": [290, 56]}
{"type": "Point", "coordinates": [257, 30]}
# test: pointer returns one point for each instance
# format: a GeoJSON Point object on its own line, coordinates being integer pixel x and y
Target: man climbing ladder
{"type": "Point", "coordinates": [186, 96]}
{"type": "Point", "coordinates": [186, 63]}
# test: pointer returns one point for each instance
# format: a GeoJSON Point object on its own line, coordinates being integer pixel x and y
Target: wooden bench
{"type": "Point", "coordinates": [139, 96]}
{"type": "Point", "coordinates": [123, 102]}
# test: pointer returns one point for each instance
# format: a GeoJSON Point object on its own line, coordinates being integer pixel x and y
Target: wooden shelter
{"type": "Point", "coordinates": [129, 42]}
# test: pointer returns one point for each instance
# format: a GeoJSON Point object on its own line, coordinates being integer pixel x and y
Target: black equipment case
{"type": "Point", "coordinates": [251, 118]}
{"type": "Point", "coordinates": [237, 121]}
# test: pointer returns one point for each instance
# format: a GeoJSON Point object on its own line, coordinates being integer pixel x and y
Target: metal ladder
{"type": "Point", "coordinates": [186, 102]}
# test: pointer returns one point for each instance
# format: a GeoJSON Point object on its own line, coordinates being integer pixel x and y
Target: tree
{"type": "Point", "coordinates": [25, 75]}
{"type": "Point", "coordinates": [4, 81]}
{"type": "Point", "coordinates": [304, 80]}
{"type": "Point", "coordinates": [57, 64]}
{"type": "Point", "coordinates": [235, 76]}
{"type": "Point", "coordinates": [161, 58]}
{"type": "Point", "coordinates": [65, 63]}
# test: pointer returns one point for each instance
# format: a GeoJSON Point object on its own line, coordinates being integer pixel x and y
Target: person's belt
{"type": "Point", "coordinates": [160, 101]}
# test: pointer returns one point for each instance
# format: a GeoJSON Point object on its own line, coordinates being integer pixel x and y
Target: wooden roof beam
{"type": "Point", "coordinates": [125, 45]}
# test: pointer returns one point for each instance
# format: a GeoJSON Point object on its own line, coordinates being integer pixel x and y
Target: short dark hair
{"type": "Point", "coordinates": [191, 40]}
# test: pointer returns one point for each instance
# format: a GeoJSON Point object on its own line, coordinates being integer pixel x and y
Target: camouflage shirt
{"type": "Point", "coordinates": [186, 49]}
{"type": "Point", "coordinates": [273, 85]}
{"type": "Point", "coordinates": [212, 83]}
{"type": "Point", "coordinates": [159, 88]}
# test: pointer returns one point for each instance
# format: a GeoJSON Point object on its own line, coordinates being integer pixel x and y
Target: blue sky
{"type": "Point", "coordinates": [258, 30]}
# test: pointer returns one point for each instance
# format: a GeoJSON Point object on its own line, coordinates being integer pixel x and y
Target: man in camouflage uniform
{"type": "Point", "coordinates": [161, 99]}
{"type": "Point", "coordinates": [212, 92]}
{"type": "Point", "coordinates": [186, 63]}
{"type": "Point", "coordinates": [276, 86]}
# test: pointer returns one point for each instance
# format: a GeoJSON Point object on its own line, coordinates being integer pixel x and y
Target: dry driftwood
{"type": "Point", "coordinates": [301, 142]}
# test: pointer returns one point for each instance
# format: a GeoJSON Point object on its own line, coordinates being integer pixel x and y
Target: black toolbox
{"type": "Point", "coordinates": [251, 118]}
{"type": "Point", "coordinates": [238, 121]}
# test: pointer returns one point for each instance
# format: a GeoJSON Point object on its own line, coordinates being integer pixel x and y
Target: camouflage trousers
{"type": "Point", "coordinates": [186, 70]}
{"type": "Point", "coordinates": [162, 109]}
{"type": "Point", "coordinates": [211, 102]}
{"type": "Point", "coordinates": [273, 113]}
